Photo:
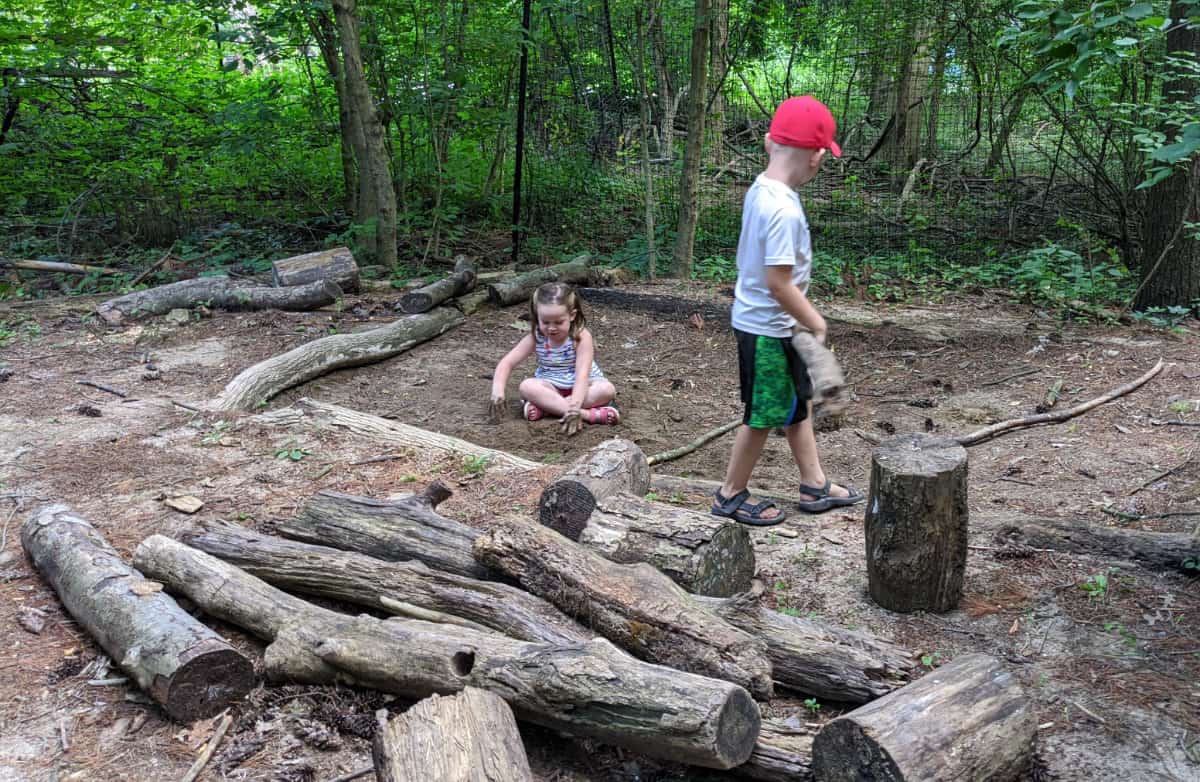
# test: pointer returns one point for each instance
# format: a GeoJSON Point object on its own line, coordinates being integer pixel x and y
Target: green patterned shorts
{"type": "Point", "coordinates": [774, 380]}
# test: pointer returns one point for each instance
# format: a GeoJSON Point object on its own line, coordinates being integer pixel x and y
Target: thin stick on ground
{"type": "Point", "coordinates": [702, 440]}
{"type": "Point", "coordinates": [207, 754]}
{"type": "Point", "coordinates": [102, 387]}
{"type": "Point", "coordinates": [362, 772]}
{"type": "Point", "coordinates": [988, 432]}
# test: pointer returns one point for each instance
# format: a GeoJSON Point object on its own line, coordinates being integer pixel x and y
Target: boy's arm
{"type": "Point", "coordinates": [794, 302]}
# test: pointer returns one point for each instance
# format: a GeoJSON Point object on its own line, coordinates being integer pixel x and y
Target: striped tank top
{"type": "Point", "coordinates": [557, 365]}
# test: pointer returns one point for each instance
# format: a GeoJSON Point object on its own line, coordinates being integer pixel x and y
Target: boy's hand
{"type": "Point", "coordinates": [498, 408]}
{"type": "Point", "coordinates": [572, 421]}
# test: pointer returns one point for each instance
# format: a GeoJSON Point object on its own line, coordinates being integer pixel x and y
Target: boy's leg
{"type": "Point", "coordinates": [747, 448]}
{"type": "Point", "coordinates": [803, 442]}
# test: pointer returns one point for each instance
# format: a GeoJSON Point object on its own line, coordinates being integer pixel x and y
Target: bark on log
{"type": "Point", "coordinates": [182, 664]}
{"type": "Point", "coordinates": [56, 266]}
{"type": "Point", "coordinates": [704, 554]}
{"type": "Point", "coordinates": [468, 737]}
{"type": "Point", "coordinates": [313, 359]}
{"type": "Point", "coordinates": [391, 530]}
{"type": "Point", "coordinates": [590, 689]}
{"type": "Point", "coordinates": [522, 286]}
{"type": "Point", "coordinates": [336, 265]}
{"type": "Point", "coordinates": [916, 523]}
{"type": "Point", "coordinates": [391, 432]}
{"type": "Point", "coordinates": [472, 302]}
{"type": "Point", "coordinates": [424, 299]}
{"type": "Point", "coordinates": [782, 754]}
{"type": "Point", "coordinates": [813, 658]}
{"type": "Point", "coordinates": [356, 578]}
{"type": "Point", "coordinates": [612, 466]}
{"type": "Point", "coordinates": [1154, 550]}
{"type": "Point", "coordinates": [968, 719]}
{"type": "Point", "coordinates": [218, 292]}
{"type": "Point", "coordinates": [635, 606]}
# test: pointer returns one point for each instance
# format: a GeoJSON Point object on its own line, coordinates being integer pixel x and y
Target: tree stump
{"type": "Point", "coordinates": [468, 737]}
{"type": "Point", "coordinates": [521, 287]}
{"type": "Point", "coordinates": [337, 265]}
{"type": "Point", "coordinates": [612, 466]}
{"type": "Point", "coordinates": [424, 299]}
{"type": "Point", "coordinates": [182, 664]}
{"type": "Point", "coordinates": [916, 523]}
{"type": "Point", "coordinates": [968, 720]}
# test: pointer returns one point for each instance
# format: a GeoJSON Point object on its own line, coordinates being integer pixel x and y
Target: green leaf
{"type": "Point", "coordinates": [1173, 153]}
{"type": "Point", "coordinates": [1126, 42]}
{"type": "Point", "coordinates": [1138, 11]}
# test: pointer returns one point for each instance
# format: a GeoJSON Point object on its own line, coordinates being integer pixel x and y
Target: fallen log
{"type": "Point", "coordinates": [1154, 550]}
{"type": "Point", "coordinates": [468, 737]}
{"type": "Point", "coordinates": [590, 689]}
{"type": "Point", "coordinates": [321, 356]}
{"type": "Point", "coordinates": [56, 266]}
{"type": "Point", "coordinates": [635, 606]}
{"type": "Point", "coordinates": [704, 554]}
{"type": "Point", "coordinates": [217, 292]}
{"type": "Point", "coordinates": [391, 530]}
{"type": "Point", "coordinates": [814, 658]}
{"type": "Point", "coordinates": [472, 302]}
{"type": "Point", "coordinates": [612, 466]}
{"type": "Point", "coordinates": [390, 432]}
{"type": "Point", "coordinates": [336, 265]}
{"type": "Point", "coordinates": [402, 588]}
{"type": "Point", "coordinates": [178, 661]}
{"type": "Point", "coordinates": [969, 719]}
{"type": "Point", "coordinates": [519, 288]}
{"type": "Point", "coordinates": [783, 753]}
{"type": "Point", "coordinates": [460, 281]}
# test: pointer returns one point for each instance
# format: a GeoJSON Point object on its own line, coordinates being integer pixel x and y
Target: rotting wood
{"type": "Point", "coordinates": [968, 719]}
{"type": "Point", "coordinates": [522, 286]}
{"type": "Point", "coordinates": [472, 302]}
{"type": "Point", "coordinates": [178, 661]}
{"type": "Point", "coordinates": [265, 379]}
{"type": "Point", "coordinates": [468, 737]}
{"type": "Point", "coordinates": [336, 265]}
{"type": "Point", "coordinates": [783, 753]}
{"type": "Point", "coordinates": [635, 606]}
{"type": "Point", "coordinates": [218, 292]}
{"type": "Point", "coordinates": [1153, 550]}
{"type": "Point", "coordinates": [56, 266]}
{"type": "Point", "coordinates": [612, 466]}
{"type": "Point", "coordinates": [460, 281]}
{"type": "Point", "coordinates": [575, 688]}
{"type": "Point", "coordinates": [306, 410]}
{"type": "Point", "coordinates": [699, 442]}
{"type": "Point", "coordinates": [389, 586]}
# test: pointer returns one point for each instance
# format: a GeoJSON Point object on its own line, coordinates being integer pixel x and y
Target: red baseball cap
{"type": "Point", "coordinates": [806, 123]}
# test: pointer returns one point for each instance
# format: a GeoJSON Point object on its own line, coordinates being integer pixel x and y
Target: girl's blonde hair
{"type": "Point", "coordinates": [557, 293]}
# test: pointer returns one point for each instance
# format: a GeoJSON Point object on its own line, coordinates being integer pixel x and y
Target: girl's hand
{"type": "Point", "coordinates": [498, 408]}
{"type": "Point", "coordinates": [572, 420]}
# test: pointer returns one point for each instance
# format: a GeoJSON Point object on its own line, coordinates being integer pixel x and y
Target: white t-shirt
{"type": "Point", "coordinates": [774, 233]}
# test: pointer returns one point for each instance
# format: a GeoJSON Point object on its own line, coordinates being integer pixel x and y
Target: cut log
{"type": "Point", "coordinates": [1154, 550]}
{"type": "Point", "coordinates": [424, 299]}
{"type": "Point", "coordinates": [968, 719]}
{"type": "Point", "coordinates": [56, 266]}
{"type": "Point", "coordinates": [403, 588]}
{"type": "Point", "coordinates": [522, 286]}
{"type": "Point", "coordinates": [321, 356]}
{"type": "Point", "coordinates": [468, 737]}
{"type": "Point", "coordinates": [392, 530]}
{"type": "Point", "coordinates": [472, 302]}
{"type": "Point", "coordinates": [336, 265]}
{"type": "Point", "coordinates": [704, 554]}
{"type": "Point", "coordinates": [590, 689]}
{"type": "Point", "coordinates": [814, 658]}
{"type": "Point", "coordinates": [178, 661]}
{"type": "Point", "coordinates": [783, 753]}
{"type": "Point", "coordinates": [218, 292]}
{"type": "Point", "coordinates": [916, 523]}
{"type": "Point", "coordinates": [612, 466]}
{"type": "Point", "coordinates": [635, 606]}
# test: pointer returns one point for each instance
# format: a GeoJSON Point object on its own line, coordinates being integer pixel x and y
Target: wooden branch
{"type": "Point", "coordinates": [56, 266]}
{"type": "Point", "coordinates": [988, 432]}
{"type": "Point", "coordinates": [150, 270]}
{"type": "Point", "coordinates": [210, 747]}
{"type": "Point", "coordinates": [461, 281]}
{"type": "Point", "coordinates": [102, 387]}
{"type": "Point", "coordinates": [218, 292]}
{"type": "Point", "coordinates": [704, 439]}
{"type": "Point", "coordinates": [1154, 550]}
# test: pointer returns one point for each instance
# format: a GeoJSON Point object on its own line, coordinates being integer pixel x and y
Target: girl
{"type": "Point", "coordinates": [567, 383]}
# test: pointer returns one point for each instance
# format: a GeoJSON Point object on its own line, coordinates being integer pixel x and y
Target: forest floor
{"type": "Point", "coordinates": [1114, 671]}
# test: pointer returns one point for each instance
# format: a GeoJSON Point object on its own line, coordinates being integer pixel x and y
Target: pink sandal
{"type": "Point", "coordinates": [602, 415]}
{"type": "Point", "coordinates": [532, 412]}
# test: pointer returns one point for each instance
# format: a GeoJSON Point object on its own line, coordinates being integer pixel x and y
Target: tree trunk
{"type": "Point", "coordinates": [424, 299]}
{"type": "Point", "coordinates": [322, 414]}
{"type": "Point", "coordinates": [916, 523]}
{"type": "Point", "coordinates": [576, 688]}
{"type": "Point", "coordinates": [468, 737]}
{"type": "Point", "coordinates": [522, 286]}
{"type": "Point", "coordinates": [968, 719]}
{"type": "Point", "coordinates": [182, 664]}
{"type": "Point", "coordinates": [635, 606]}
{"type": "Point", "coordinates": [402, 588]}
{"type": "Point", "coordinates": [704, 554]}
{"type": "Point", "coordinates": [996, 154]}
{"type": "Point", "coordinates": [719, 54]}
{"type": "Point", "coordinates": [689, 183]}
{"type": "Point", "coordinates": [639, 71]}
{"type": "Point", "coordinates": [667, 99]}
{"type": "Point", "coordinates": [217, 293]}
{"type": "Point", "coordinates": [321, 356]}
{"type": "Point", "coordinates": [391, 530]}
{"type": "Point", "coordinates": [336, 264]}
{"type": "Point", "coordinates": [936, 83]}
{"type": "Point", "coordinates": [783, 754]}
{"type": "Point", "coordinates": [352, 142]}
{"type": "Point", "coordinates": [1153, 550]}
{"type": "Point", "coordinates": [814, 658]}
{"type": "Point", "coordinates": [612, 466]}
{"type": "Point", "coordinates": [905, 143]}
{"type": "Point", "coordinates": [373, 171]}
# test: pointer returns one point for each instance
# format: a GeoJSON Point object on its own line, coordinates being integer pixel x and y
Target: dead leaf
{"type": "Point", "coordinates": [31, 620]}
{"type": "Point", "coordinates": [1016, 626]}
{"type": "Point", "coordinates": [696, 321]}
{"type": "Point", "coordinates": [143, 588]}
{"type": "Point", "coordinates": [184, 504]}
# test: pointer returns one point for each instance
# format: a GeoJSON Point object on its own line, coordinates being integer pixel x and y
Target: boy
{"type": "Point", "coordinates": [774, 259]}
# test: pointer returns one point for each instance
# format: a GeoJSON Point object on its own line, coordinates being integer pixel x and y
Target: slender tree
{"type": "Point", "coordinates": [689, 184]}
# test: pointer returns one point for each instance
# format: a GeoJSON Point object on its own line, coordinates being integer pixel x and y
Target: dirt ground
{"type": "Point", "coordinates": [1115, 673]}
